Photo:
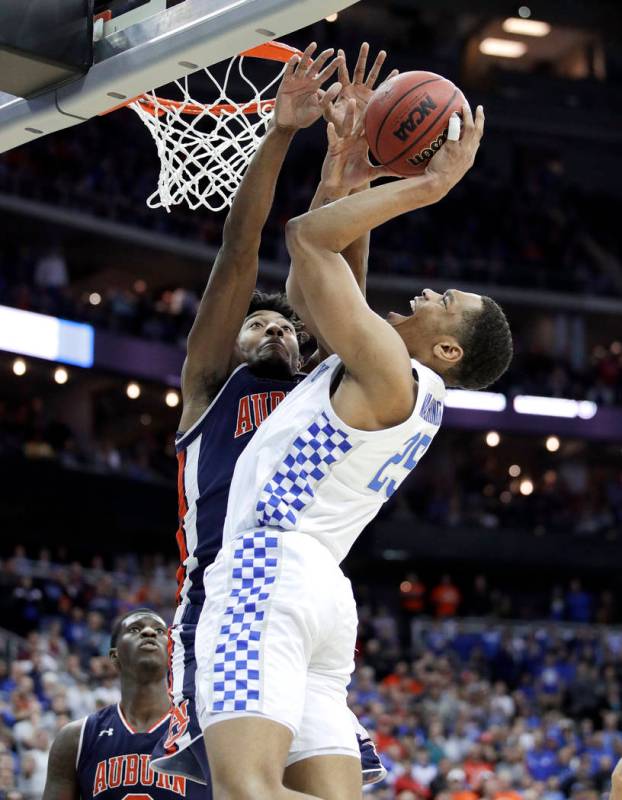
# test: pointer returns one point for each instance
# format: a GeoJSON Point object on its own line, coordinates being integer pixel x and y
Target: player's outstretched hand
{"type": "Point", "coordinates": [455, 158]}
{"type": "Point", "coordinates": [346, 166]}
{"type": "Point", "coordinates": [300, 100]}
{"type": "Point", "coordinates": [358, 88]}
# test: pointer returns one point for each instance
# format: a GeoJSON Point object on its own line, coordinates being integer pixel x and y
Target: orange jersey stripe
{"type": "Point", "coordinates": [182, 511]}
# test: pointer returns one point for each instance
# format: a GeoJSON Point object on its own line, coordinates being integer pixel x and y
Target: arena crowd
{"type": "Point", "coordinates": [461, 707]}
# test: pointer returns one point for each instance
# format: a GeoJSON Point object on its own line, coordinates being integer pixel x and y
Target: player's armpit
{"type": "Point", "coordinates": [62, 781]}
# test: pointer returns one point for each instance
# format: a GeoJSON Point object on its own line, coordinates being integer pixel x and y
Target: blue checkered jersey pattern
{"type": "Point", "coordinates": [207, 454]}
{"type": "Point", "coordinates": [308, 461]}
{"type": "Point", "coordinates": [307, 470]}
{"type": "Point", "coordinates": [238, 648]}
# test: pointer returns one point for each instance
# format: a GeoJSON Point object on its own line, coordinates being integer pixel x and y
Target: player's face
{"type": "Point", "coordinates": [142, 644]}
{"type": "Point", "coordinates": [437, 311]}
{"type": "Point", "coordinates": [430, 329]}
{"type": "Point", "coordinates": [268, 343]}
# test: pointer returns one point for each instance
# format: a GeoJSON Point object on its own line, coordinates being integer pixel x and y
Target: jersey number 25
{"type": "Point", "coordinates": [388, 478]}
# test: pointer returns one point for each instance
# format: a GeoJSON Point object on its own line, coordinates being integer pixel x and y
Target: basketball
{"type": "Point", "coordinates": [407, 117]}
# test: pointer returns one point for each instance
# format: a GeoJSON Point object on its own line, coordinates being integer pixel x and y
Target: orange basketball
{"type": "Point", "coordinates": [407, 117]}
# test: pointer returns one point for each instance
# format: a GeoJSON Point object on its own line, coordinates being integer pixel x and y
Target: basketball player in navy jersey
{"type": "Point", "coordinates": [242, 359]}
{"type": "Point", "coordinates": [107, 754]}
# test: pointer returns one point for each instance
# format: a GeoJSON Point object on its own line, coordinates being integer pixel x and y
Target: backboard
{"type": "Point", "coordinates": [150, 46]}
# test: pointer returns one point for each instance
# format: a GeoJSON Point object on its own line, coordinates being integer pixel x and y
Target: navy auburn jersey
{"type": "Point", "coordinates": [207, 453]}
{"type": "Point", "coordinates": [113, 762]}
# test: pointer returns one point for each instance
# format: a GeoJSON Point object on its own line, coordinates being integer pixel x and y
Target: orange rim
{"type": "Point", "coordinates": [157, 106]}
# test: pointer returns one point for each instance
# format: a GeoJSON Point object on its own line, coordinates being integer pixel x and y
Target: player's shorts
{"type": "Point", "coordinates": [276, 639]}
{"type": "Point", "coordinates": [182, 751]}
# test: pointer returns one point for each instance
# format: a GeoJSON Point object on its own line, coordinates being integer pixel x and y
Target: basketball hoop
{"type": "Point", "coordinates": [204, 149]}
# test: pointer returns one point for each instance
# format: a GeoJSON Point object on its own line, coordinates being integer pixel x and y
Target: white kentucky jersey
{"type": "Point", "coordinates": [306, 470]}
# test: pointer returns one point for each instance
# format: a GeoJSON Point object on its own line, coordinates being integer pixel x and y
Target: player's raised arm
{"type": "Point", "coordinates": [372, 351]}
{"type": "Point", "coordinates": [62, 781]}
{"type": "Point", "coordinates": [300, 101]}
{"type": "Point", "coordinates": [346, 168]}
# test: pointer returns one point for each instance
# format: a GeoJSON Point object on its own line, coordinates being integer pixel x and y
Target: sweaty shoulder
{"type": "Point", "coordinates": [197, 406]}
{"type": "Point", "coordinates": [67, 739]}
{"type": "Point", "coordinates": [61, 781]}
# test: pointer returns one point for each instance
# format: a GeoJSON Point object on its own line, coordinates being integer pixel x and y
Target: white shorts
{"type": "Point", "coordinates": [276, 638]}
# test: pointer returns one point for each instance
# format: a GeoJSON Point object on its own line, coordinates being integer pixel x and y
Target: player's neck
{"type": "Point", "coordinates": [143, 704]}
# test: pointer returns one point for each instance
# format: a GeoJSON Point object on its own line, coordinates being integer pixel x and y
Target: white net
{"type": "Point", "coordinates": [204, 149]}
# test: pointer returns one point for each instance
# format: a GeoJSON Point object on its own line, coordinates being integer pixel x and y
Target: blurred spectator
{"type": "Point", "coordinates": [412, 595]}
{"type": "Point", "coordinates": [50, 271]}
{"type": "Point", "coordinates": [445, 598]}
{"type": "Point", "coordinates": [579, 603]}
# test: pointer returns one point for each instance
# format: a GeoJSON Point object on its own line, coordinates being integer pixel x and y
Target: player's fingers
{"type": "Point", "coordinates": [479, 121]}
{"type": "Point", "coordinates": [331, 133]}
{"type": "Point", "coordinates": [361, 63]}
{"type": "Point", "coordinates": [328, 97]}
{"type": "Point", "coordinates": [375, 70]}
{"type": "Point", "coordinates": [393, 74]}
{"type": "Point", "coordinates": [325, 74]}
{"type": "Point", "coordinates": [319, 62]}
{"type": "Point", "coordinates": [467, 118]}
{"type": "Point", "coordinates": [305, 59]}
{"type": "Point", "coordinates": [359, 128]}
{"type": "Point", "coordinates": [328, 110]}
{"type": "Point", "coordinates": [343, 68]}
{"type": "Point", "coordinates": [291, 65]}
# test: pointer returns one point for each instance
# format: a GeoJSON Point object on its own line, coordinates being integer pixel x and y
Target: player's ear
{"type": "Point", "coordinates": [113, 655]}
{"type": "Point", "coordinates": [448, 351]}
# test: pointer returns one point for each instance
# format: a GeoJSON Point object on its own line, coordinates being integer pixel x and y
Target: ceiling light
{"type": "Point", "coordinates": [332, 17]}
{"type": "Point", "coordinates": [475, 401]}
{"type": "Point", "coordinates": [502, 48]}
{"type": "Point", "coordinates": [19, 366]}
{"type": "Point", "coordinates": [492, 438]}
{"type": "Point", "coordinates": [171, 399]}
{"type": "Point", "coordinates": [554, 406]}
{"type": "Point", "coordinates": [526, 487]}
{"type": "Point", "coordinates": [514, 471]}
{"type": "Point", "coordinates": [552, 444]}
{"type": "Point", "coordinates": [61, 375]}
{"type": "Point", "coordinates": [132, 391]}
{"type": "Point", "coordinates": [526, 27]}
{"type": "Point", "coordinates": [95, 298]}
{"type": "Point", "coordinates": [524, 12]}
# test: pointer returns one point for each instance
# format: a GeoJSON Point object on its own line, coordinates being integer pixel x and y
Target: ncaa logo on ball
{"type": "Point", "coordinates": [414, 118]}
{"type": "Point", "coordinates": [426, 154]}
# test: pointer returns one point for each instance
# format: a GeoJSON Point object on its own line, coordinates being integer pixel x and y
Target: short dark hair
{"type": "Point", "coordinates": [486, 339]}
{"type": "Point", "coordinates": [277, 301]}
{"type": "Point", "coordinates": [116, 628]}
{"type": "Point", "coordinates": [271, 301]}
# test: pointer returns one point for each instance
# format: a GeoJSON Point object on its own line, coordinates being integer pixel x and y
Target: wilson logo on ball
{"type": "Point", "coordinates": [426, 154]}
{"type": "Point", "coordinates": [415, 118]}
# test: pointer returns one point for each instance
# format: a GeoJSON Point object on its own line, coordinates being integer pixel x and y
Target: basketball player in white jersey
{"type": "Point", "coordinates": [276, 636]}
{"type": "Point", "coordinates": [240, 363]}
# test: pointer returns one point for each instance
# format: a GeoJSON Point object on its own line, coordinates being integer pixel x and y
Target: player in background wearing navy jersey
{"type": "Point", "coordinates": [242, 359]}
{"type": "Point", "coordinates": [106, 755]}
